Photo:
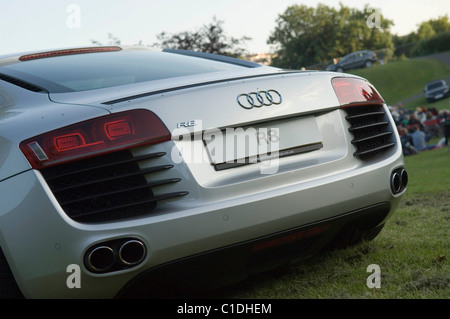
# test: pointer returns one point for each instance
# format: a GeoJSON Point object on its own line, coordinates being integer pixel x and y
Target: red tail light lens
{"type": "Point", "coordinates": [354, 92]}
{"type": "Point", "coordinates": [70, 141]}
{"type": "Point", "coordinates": [118, 129]}
{"type": "Point", "coordinates": [93, 137]}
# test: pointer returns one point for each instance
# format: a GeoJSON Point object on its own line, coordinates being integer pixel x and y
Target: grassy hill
{"type": "Point", "coordinates": [403, 79]}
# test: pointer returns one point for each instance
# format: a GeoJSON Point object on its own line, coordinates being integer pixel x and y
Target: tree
{"type": "Point", "coordinates": [414, 43]}
{"type": "Point", "coordinates": [425, 31]}
{"type": "Point", "coordinates": [112, 40]}
{"type": "Point", "coordinates": [306, 35]}
{"type": "Point", "coordinates": [209, 38]}
{"type": "Point", "coordinates": [428, 29]}
{"type": "Point", "coordinates": [441, 24]}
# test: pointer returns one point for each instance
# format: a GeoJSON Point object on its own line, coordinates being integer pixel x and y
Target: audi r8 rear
{"type": "Point", "coordinates": [125, 171]}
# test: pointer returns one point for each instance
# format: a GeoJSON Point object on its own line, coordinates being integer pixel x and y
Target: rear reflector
{"type": "Point", "coordinates": [354, 92]}
{"type": "Point", "coordinates": [55, 53]}
{"type": "Point", "coordinates": [293, 237]}
{"type": "Point", "coordinates": [94, 137]}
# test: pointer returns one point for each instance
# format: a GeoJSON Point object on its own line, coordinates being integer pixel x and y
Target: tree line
{"type": "Point", "coordinates": [431, 36]}
{"type": "Point", "coordinates": [305, 35]}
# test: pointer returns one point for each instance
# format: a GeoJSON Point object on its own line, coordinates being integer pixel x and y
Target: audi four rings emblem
{"type": "Point", "coordinates": [258, 99]}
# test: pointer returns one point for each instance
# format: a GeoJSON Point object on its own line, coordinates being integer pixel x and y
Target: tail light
{"type": "Point", "coordinates": [93, 137]}
{"type": "Point", "coordinates": [355, 92]}
{"type": "Point", "coordinates": [368, 118]}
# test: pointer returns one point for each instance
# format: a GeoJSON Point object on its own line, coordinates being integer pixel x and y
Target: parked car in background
{"type": "Point", "coordinates": [436, 90]}
{"type": "Point", "coordinates": [355, 60]}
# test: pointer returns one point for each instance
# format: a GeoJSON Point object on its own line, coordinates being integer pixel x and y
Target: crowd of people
{"type": "Point", "coordinates": [416, 128]}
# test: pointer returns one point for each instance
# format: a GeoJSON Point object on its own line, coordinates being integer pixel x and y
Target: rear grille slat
{"type": "Point", "coordinates": [151, 185]}
{"type": "Point", "coordinates": [371, 130]}
{"type": "Point", "coordinates": [367, 126]}
{"type": "Point", "coordinates": [377, 149]}
{"type": "Point", "coordinates": [111, 186]}
{"type": "Point", "coordinates": [365, 139]}
{"type": "Point", "coordinates": [357, 116]}
{"type": "Point", "coordinates": [170, 195]}
{"type": "Point", "coordinates": [121, 176]}
{"type": "Point", "coordinates": [105, 165]}
{"type": "Point", "coordinates": [131, 204]}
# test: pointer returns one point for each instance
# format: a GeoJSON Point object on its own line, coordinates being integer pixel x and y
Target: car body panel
{"type": "Point", "coordinates": [215, 208]}
{"type": "Point", "coordinates": [300, 94]}
{"type": "Point", "coordinates": [38, 115]}
{"type": "Point", "coordinates": [228, 222]}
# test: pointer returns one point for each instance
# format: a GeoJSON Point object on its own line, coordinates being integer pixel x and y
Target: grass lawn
{"type": "Point", "coordinates": [439, 105]}
{"type": "Point", "coordinates": [412, 251]}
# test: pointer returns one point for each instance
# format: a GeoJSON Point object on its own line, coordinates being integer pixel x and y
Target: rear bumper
{"type": "Point", "coordinates": [40, 241]}
{"type": "Point", "coordinates": [234, 263]}
{"type": "Point", "coordinates": [437, 94]}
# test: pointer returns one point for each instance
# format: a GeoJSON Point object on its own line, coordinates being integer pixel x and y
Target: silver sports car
{"type": "Point", "coordinates": [127, 172]}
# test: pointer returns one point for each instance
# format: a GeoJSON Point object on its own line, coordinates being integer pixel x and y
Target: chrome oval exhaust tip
{"type": "Point", "coordinates": [399, 180]}
{"type": "Point", "coordinates": [132, 252]}
{"type": "Point", "coordinates": [114, 255]}
{"type": "Point", "coordinates": [396, 182]}
{"type": "Point", "coordinates": [404, 178]}
{"type": "Point", "coordinates": [101, 258]}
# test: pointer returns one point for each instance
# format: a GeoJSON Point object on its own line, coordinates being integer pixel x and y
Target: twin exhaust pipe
{"type": "Point", "coordinates": [115, 255]}
{"type": "Point", "coordinates": [399, 180]}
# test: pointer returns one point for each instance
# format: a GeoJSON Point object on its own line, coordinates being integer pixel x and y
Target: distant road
{"type": "Point", "coordinates": [444, 57]}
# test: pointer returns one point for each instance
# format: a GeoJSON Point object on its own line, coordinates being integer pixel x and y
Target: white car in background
{"type": "Point", "coordinates": [436, 90]}
{"type": "Point", "coordinates": [127, 172]}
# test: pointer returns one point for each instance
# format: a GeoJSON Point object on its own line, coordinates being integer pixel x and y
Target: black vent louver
{"type": "Point", "coordinates": [108, 187]}
{"type": "Point", "coordinates": [371, 129]}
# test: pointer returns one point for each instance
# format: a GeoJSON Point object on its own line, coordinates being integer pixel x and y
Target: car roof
{"type": "Point", "coordinates": [87, 68]}
{"type": "Point", "coordinates": [436, 81]}
{"type": "Point", "coordinates": [25, 56]}
{"type": "Point", "coordinates": [361, 51]}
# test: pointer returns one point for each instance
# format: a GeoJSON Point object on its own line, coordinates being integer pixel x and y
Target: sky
{"type": "Point", "coordinates": [29, 25]}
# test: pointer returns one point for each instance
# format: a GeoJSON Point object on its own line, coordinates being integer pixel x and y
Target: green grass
{"type": "Point", "coordinates": [399, 80]}
{"type": "Point", "coordinates": [429, 172]}
{"type": "Point", "coordinates": [439, 105]}
{"type": "Point", "coordinates": [413, 250]}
